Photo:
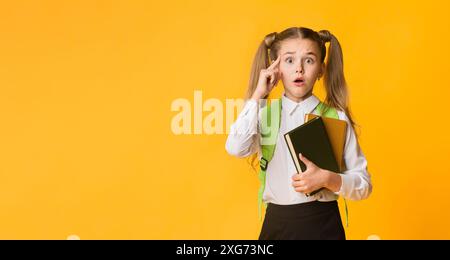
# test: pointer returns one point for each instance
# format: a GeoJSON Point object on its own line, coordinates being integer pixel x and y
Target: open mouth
{"type": "Point", "coordinates": [299, 81]}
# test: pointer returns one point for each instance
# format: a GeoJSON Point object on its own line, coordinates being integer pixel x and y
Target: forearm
{"type": "Point", "coordinates": [257, 96]}
{"type": "Point", "coordinates": [243, 132]}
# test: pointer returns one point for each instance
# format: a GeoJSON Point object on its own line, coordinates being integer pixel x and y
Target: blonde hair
{"type": "Point", "coordinates": [334, 80]}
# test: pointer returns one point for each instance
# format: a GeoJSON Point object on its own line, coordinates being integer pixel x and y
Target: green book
{"type": "Point", "coordinates": [311, 140]}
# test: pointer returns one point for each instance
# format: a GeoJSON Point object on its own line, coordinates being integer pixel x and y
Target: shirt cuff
{"type": "Point", "coordinates": [344, 181]}
{"type": "Point", "coordinates": [249, 105]}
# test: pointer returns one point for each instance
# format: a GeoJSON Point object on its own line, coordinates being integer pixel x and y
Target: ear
{"type": "Point", "coordinates": [322, 69]}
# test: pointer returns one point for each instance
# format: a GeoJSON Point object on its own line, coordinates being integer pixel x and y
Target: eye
{"type": "Point", "coordinates": [309, 61]}
{"type": "Point", "coordinates": [288, 60]}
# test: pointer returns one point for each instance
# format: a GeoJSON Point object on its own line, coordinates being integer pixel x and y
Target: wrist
{"type": "Point", "coordinates": [257, 96]}
{"type": "Point", "coordinates": [333, 181]}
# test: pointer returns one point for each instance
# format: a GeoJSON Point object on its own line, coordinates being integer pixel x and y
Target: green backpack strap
{"type": "Point", "coordinates": [326, 111]}
{"type": "Point", "coordinates": [270, 126]}
{"type": "Point", "coordinates": [331, 112]}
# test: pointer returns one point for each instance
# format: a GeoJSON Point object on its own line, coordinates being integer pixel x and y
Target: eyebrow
{"type": "Point", "coordinates": [308, 53]}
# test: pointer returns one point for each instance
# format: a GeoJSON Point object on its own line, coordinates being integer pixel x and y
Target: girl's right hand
{"type": "Point", "coordinates": [268, 79]}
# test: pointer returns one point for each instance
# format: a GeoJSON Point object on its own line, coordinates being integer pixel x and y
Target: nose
{"type": "Point", "coordinates": [299, 69]}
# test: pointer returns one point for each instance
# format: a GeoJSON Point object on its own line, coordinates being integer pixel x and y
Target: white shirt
{"type": "Point", "coordinates": [244, 140]}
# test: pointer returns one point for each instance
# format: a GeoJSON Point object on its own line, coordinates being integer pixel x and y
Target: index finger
{"type": "Point", "coordinates": [275, 63]}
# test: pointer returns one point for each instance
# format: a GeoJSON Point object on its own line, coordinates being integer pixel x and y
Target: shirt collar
{"type": "Point", "coordinates": [306, 105]}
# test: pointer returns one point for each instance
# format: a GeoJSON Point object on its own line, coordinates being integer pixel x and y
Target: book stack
{"type": "Point", "coordinates": [321, 140]}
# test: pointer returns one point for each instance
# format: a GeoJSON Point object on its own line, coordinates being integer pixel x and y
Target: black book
{"type": "Point", "coordinates": [311, 140]}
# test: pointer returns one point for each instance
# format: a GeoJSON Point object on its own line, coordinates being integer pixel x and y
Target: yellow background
{"type": "Point", "coordinates": [86, 87]}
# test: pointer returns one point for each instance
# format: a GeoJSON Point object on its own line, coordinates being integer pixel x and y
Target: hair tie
{"type": "Point", "coordinates": [269, 39]}
{"type": "Point", "coordinates": [325, 35]}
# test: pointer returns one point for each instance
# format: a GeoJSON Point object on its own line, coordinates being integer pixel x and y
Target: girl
{"type": "Point", "coordinates": [298, 56]}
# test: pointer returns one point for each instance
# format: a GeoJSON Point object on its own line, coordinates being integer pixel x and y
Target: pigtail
{"type": "Point", "coordinates": [260, 62]}
{"type": "Point", "coordinates": [334, 80]}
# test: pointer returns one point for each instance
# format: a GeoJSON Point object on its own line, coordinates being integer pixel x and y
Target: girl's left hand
{"type": "Point", "coordinates": [312, 179]}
